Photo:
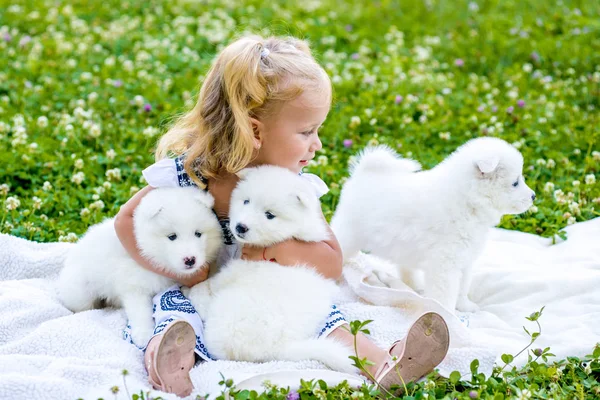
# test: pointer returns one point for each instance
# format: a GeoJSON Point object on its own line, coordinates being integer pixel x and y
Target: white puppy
{"type": "Point", "coordinates": [175, 228]}
{"type": "Point", "coordinates": [259, 310]}
{"type": "Point", "coordinates": [435, 221]}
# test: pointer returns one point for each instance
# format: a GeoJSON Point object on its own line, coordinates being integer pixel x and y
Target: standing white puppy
{"type": "Point", "coordinates": [260, 310]}
{"type": "Point", "coordinates": [175, 228]}
{"type": "Point", "coordinates": [436, 221]}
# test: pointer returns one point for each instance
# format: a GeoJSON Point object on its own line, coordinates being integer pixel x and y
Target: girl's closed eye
{"type": "Point", "coordinates": [308, 133]}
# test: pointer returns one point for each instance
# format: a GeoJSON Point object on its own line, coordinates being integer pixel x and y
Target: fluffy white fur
{"type": "Point", "coordinates": [434, 221]}
{"type": "Point", "coordinates": [262, 311]}
{"type": "Point", "coordinates": [174, 228]}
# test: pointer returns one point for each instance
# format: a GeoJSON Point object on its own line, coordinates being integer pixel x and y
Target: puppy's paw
{"type": "Point", "coordinates": [466, 305]}
{"type": "Point", "coordinates": [141, 333]}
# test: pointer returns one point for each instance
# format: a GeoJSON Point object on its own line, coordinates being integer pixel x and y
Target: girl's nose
{"type": "Point", "coordinates": [316, 145]}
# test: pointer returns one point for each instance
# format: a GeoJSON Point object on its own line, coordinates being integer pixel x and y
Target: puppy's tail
{"type": "Point", "coordinates": [328, 351]}
{"type": "Point", "coordinates": [382, 158]}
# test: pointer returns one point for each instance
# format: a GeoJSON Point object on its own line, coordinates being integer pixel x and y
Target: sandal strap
{"type": "Point", "coordinates": [391, 360]}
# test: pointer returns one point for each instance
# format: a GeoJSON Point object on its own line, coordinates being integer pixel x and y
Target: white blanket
{"type": "Point", "coordinates": [47, 352]}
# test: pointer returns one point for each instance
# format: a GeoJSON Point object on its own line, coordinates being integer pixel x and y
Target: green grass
{"type": "Point", "coordinates": [421, 76]}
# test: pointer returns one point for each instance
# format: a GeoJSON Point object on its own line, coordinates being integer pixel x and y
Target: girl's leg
{"type": "Point", "coordinates": [417, 354]}
{"type": "Point", "coordinates": [178, 337]}
{"type": "Point", "coordinates": [169, 358]}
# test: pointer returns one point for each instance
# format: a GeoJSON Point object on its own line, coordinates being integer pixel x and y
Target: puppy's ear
{"type": "Point", "coordinates": [149, 213]}
{"type": "Point", "coordinates": [242, 174]}
{"type": "Point", "coordinates": [303, 199]}
{"type": "Point", "coordinates": [205, 199]}
{"type": "Point", "coordinates": [488, 165]}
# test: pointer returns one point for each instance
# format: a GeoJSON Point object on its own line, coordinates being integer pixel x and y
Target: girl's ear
{"type": "Point", "coordinates": [257, 128]}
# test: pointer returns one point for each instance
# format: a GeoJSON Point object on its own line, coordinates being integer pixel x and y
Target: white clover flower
{"type": "Point", "coordinates": [18, 120]}
{"type": "Point", "coordinates": [70, 237]}
{"type": "Point", "coordinates": [46, 186]}
{"type": "Point", "coordinates": [79, 163]}
{"type": "Point", "coordinates": [524, 394]}
{"type": "Point", "coordinates": [574, 208]}
{"type": "Point", "coordinates": [550, 163]}
{"type": "Point", "coordinates": [445, 135]}
{"type": "Point", "coordinates": [541, 162]}
{"type": "Point", "coordinates": [78, 178]}
{"type": "Point", "coordinates": [113, 174]}
{"type": "Point", "coordinates": [576, 183]}
{"type": "Point", "coordinates": [560, 197]}
{"type": "Point", "coordinates": [150, 131]}
{"type": "Point", "coordinates": [111, 154]}
{"type": "Point", "coordinates": [322, 160]}
{"type": "Point", "coordinates": [133, 190]}
{"type": "Point", "coordinates": [84, 212]}
{"type": "Point", "coordinates": [37, 202]}
{"type": "Point", "coordinates": [354, 122]}
{"type": "Point", "coordinates": [92, 97]}
{"type": "Point", "coordinates": [139, 100]}
{"type": "Point", "coordinates": [106, 185]}
{"type": "Point", "coordinates": [590, 179]}
{"type": "Point", "coordinates": [571, 221]}
{"type": "Point", "coordinates": [527, 67]}
{"type": "Point", "coordinates": [97, 205]}
{"type": "Point", "coordinates": [12, 203]}
{"type": "Point", "coordinates": [373, 121]}
{"type": "Point", "coordinates": [423, 118]}
{"type": "Point", "coordinates": [42, 122]}
{"type": "Point", "coordinates": [533, 209]}
{"type": "Point", "coordinates": [596, 155]}
{"type": "Point", "coordinates": [4, 189]}
{"type": "Point", "coordinates": [548, 187]}
{"type": "Point", "coordinates": [429, 385]}
{"type": "Point", "coordinates": [95, 130]}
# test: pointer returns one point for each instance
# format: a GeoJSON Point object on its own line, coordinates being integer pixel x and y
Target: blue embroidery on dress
{"type": "Point", "coordinates": [202, 348]}
{"type": "Point", "coordinates": [174, 300]}
{"type": "Point", "coordinates": [183, 179]}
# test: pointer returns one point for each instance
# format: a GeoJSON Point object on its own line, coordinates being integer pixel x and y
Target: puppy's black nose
{"type": "Point", "coordinates": [533, 196]}
{"type": "Point", "coordinates": [189, 261]}
{"type": "Point", "coordinates": [241, 228]}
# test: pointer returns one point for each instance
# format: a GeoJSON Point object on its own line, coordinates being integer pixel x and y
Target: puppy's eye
{"type": "Point", "coordinates": [198, 234]}
{"type": "Point", "coordinates": [172, 237]}
{"type": "Point", "coordinates": [246, 201]}
{"type": "Point", "coordinates": [269, 215]}
{"type": "Point", "coordinates": [516, 183]}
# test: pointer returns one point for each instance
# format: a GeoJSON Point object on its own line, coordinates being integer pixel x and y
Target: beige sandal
{"type": "Point", "coordinates": [422, 349]}
{"type": "Point", "coordinates": [173, 359]}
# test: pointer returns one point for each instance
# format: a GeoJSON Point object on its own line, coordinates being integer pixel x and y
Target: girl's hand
{"type": "Point", "coordinates": [257, 253]}
{"type": "Point", "coordinates": [199, 276]}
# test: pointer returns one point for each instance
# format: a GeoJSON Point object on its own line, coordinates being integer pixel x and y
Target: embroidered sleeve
{"type": "Point", "coordinates": [168, 172]}
{"type": "Point", "coordinates": [162, 174]}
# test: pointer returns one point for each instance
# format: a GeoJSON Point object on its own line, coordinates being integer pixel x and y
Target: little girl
{"type": "Point", "coordinates": [262, 102]}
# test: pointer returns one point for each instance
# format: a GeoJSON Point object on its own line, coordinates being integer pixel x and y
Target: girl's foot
{"type": "Point", "coordinates": [413, 357]}
{"type": "Point", "coordinates": [171, 357]}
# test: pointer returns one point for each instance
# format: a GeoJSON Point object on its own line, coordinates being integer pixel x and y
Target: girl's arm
{"type": "Point", "coordinates": [325, 257]}
{"type": "Point", "coordinates": [124, 230]}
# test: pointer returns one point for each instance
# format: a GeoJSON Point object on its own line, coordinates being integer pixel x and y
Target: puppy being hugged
{"type": "Point", "coordinates": [175, 228]}
{"type": "Point", "coordinates": [435, 221]}
{"type": "Point", "coordinates": [259, 310]}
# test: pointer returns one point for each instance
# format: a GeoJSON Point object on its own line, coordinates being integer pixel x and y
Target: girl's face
{"type": "Point", "coordinates": [289, 138]}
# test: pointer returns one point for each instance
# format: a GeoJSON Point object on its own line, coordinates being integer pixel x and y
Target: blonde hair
{"type": "Point", "coordinates": [250, 78]}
